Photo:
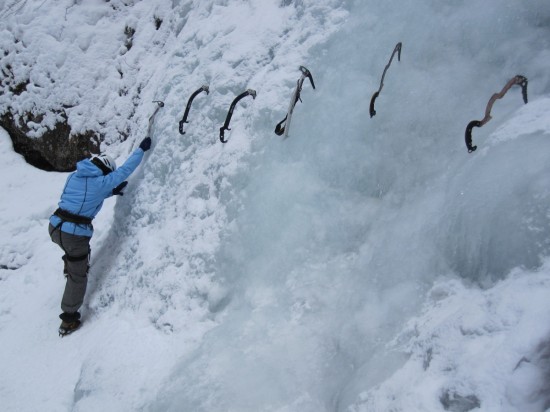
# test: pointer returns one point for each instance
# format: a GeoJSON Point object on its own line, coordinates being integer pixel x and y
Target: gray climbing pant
{"type": "Point", "coordinates": [77, 264]}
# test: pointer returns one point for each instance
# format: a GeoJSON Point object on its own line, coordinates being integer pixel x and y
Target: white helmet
{"type": "Point", "coordinates": [105, 162]}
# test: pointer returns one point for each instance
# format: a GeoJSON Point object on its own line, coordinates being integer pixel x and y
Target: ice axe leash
{"type": "Point", "coordinates": [225, 126]}
{"type": "Point", "coordinates": [152, 118]}
{"type": "Point", "coordinates": [517, 80]}
{"type": "Point", "coordinates": [397, 49]}
{"type": "Point", "coordinates": [281, 126]}
{"type": "Point", "coordinates": [188, 107]}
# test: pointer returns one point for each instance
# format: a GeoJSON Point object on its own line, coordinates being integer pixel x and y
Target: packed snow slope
{"type": "Point", "coordinates": [362, 264]}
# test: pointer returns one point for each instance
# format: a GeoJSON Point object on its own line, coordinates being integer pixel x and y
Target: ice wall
{"type": "Point", "coordinates": [362, 264]}
{"type": "Point", "coordinates": [345, 226]}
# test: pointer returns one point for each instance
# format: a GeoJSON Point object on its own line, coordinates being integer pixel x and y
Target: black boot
{"type": "Point", "coordinates": [69, 323]}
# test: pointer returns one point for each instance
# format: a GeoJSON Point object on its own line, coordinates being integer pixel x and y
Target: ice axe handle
{"type": "Point", "coordinates": [468, 135]}
{"type": "Point", "coordinates": [371, 106]}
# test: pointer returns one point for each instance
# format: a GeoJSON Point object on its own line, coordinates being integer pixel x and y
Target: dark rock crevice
{"type": "Point", "coordinates": [56, 150]}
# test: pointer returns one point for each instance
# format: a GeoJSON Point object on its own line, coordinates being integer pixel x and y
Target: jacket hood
{"type": "Point", "coordinates": [85, 168]}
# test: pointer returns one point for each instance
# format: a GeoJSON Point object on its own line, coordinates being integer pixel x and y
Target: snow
{"type": "Point", "coordinates": [361, 264]}
{"type": "Point", "coordinates": [484, 347]}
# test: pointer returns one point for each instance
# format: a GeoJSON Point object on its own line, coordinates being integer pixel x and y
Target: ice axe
{"type": "Point", "coordinates": [152, 118]}
{"type": "Point", "coordinates": [397, 49]}
{"type": "Point", "coordinates": [225, 126]}
{"type": "Point", "coordinates": [282, 128]}
{"type": "Point", "coordinates": [519, 80]}
{"type": "Point", "coordinates": [188, 107]}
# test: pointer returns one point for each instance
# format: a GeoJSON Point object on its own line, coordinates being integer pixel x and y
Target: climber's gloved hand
{"type": "Point", "coordinates": [118, 190]}
{"type": "Point", "coordinates": [145, 144]}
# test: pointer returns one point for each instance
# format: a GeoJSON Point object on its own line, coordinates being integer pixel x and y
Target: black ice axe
{"type": "Point", "coordinates": [225, 126]}
{"type": "Point", "coordinates": [188, 107]}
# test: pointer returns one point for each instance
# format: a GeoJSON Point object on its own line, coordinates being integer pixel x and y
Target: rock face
{"type": "Point", "coordinates": [83, 73]}
{"type": "Point", "coordinates": [56, 150]}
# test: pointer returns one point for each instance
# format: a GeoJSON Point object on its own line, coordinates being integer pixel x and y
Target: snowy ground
{"type": "Point", "coordinates": [360, 265]}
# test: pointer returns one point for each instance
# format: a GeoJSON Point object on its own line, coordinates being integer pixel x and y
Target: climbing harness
{"type": "Point", "coordinates": [519, 80]}
{"type": "Point", "coordinates": [397, 49]}
{"type": "Point", "coordinates": [66, 216]}
{"type": "Point", "coordinates": [225, 126]}
{"type": "Point", "coordinates": [188, 107]}
{"type": "Point", "coordinates": [152, 118]}
{"type": "Point", "coordinates": [282, 127]}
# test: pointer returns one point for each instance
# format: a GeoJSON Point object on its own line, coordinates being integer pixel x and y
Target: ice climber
{"type": "Point", "coordinates": [71, 227]}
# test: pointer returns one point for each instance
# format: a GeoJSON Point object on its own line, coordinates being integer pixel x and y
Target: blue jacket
{"type": "Point", "coordinates": [87, 188]}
